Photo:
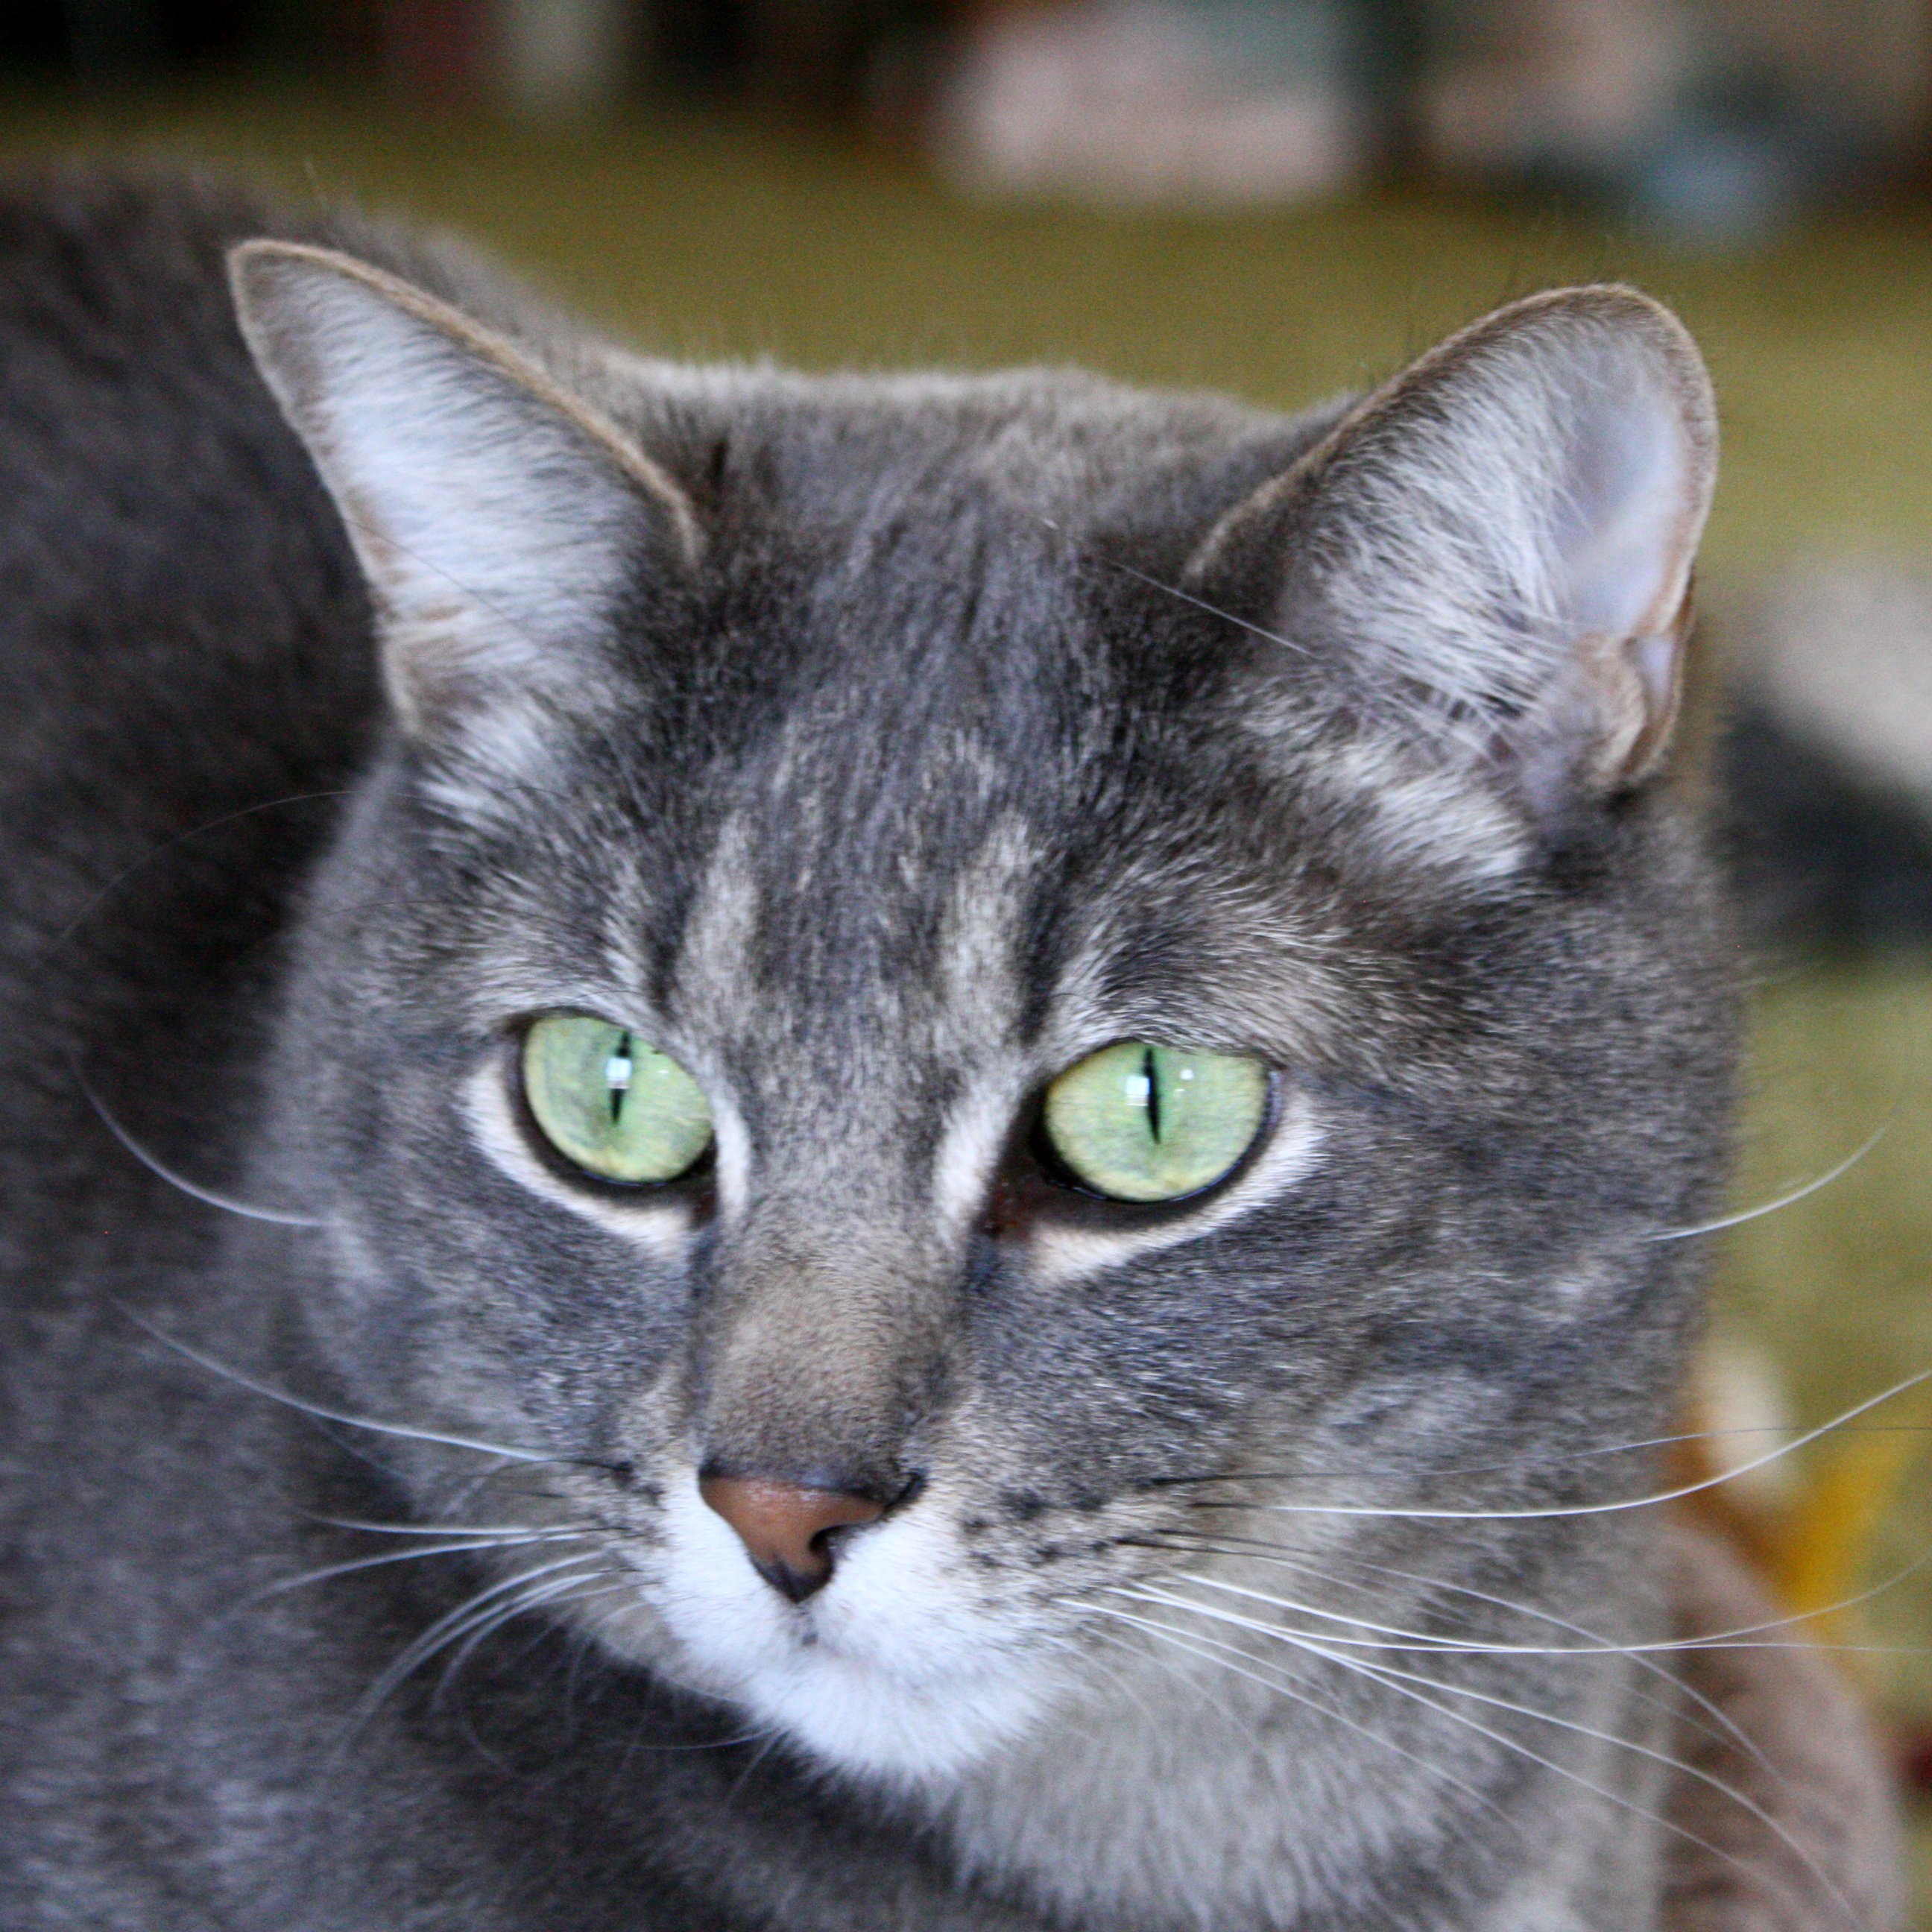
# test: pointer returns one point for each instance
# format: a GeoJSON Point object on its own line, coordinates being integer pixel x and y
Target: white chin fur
{"type": "Point", "coordinates": [885, 1673]}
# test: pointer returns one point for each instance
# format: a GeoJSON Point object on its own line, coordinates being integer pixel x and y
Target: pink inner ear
{"type": "Point", "coordinates": [1654, 654]}
{"type": "Point", "coordinates": [1627, 522]}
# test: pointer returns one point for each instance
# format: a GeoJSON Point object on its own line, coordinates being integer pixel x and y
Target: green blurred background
{"type": "Point", "coordinates": [713, 206]}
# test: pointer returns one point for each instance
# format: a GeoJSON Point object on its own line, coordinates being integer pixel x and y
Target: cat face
{"type": "Point", "coordinates": [876, 754]}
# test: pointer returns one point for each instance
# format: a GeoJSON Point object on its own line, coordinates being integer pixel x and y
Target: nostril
{"type": "Point", "coordinates": [787, 1528]}
{"type": "Point", "coordinates": [795, 1585]}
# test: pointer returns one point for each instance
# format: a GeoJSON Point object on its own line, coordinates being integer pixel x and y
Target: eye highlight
{"type": "Point", "coordinates": [610, 1104]}
{"type": "Point", "coordinates": [1138, 1122]}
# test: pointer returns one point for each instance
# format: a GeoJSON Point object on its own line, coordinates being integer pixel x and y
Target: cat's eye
{"type": "Point", "coordinates": [1144, 1123]}
{"type": "Point", "coordinates": [611, 1104]}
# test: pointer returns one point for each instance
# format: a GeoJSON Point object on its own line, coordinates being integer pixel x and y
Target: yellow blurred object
{"type": "Point", "coordinates": [1821, 1550]}
{"type": "Point", "coordinates": [1811, 1527]}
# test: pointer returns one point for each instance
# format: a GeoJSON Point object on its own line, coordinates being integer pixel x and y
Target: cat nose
{"type": "Point", "coordinates": [786, 1528]}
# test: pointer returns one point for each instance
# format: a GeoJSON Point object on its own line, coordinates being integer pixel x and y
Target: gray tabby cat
{"type": "Point", "coordinates": [849, 1153]}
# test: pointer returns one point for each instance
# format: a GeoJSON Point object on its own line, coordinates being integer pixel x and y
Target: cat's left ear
{"type": "Point", "coordinates": [498, 519]}
{"type": "Point", "coordinates": [1495, 548]}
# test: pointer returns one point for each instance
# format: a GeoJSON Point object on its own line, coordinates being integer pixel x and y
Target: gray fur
{"type": "Point", "coordinates": [886, 772]}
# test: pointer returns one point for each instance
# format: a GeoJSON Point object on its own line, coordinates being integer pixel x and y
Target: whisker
{"type": "Point", "coordinates": [634, 1743]}
{"type": "Point", "coordinates": [478, 1629]}
{"type": "Point", "coordinates": [1390, 1638]}
{"type": "Point", "coordinates": [1295, 1694]}
{"type": "Point", "coordinates": [1797, 1194]}
{"type": "Point", "coordinates": [208, 1196]}
{"type": "Point", "coordinates": [1727, 1726]}
{"type": "Point", "coordinates": [1544, 1515]}
{"type": "Point", "coordinates": [325, 1415]}
{"type": "Point", "coordinates": [591, 1588]}
{"type": "Point", "coordinates": [168, 845]}
{"type": "Point", "coordinates": [349, 1568]}
{"type": "Point", "coordinates": [1452, 726]}
{"type": "Point", "coordinates": [1514, 1745]}
{"type": "Point", "coordinates": [1122, 1685]}
{"type": "Point", "coordinates": [1778, 1830]}
{"type": "Point", "coordinates": [1400, 1681]}
{"type": "Point", "coordinates": [1521, 1750]}
{"type": "Point", "coordinates": [529, 1590]}
{"type": "Point", "coordinates": [1693, 1706]}
{"type": "Point", "coordinates": [765, 1746]}
{"type": "Point", "coordinates": [1139, 1651]}
{"type": "Point", "coordinates": [450, 1529]}
{"type": "Point", "coordinates": [1733, 1639]}
{"type": "Point", "coordinates": [1174, 590]}
{"type": "Point", "coordinates": [1409, 1471]}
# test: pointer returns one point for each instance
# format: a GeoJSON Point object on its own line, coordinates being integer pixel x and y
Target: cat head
{"type": "Point", "coordinates": [946, 989]}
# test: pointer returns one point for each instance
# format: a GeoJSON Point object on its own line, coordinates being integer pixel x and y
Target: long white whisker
{"type": "Point", "coordinates": [1797, 1194]}
{"type": "Point", "coordinates": [588, 1638]}
{"type": "Point", "coordinates": [476, 1629]}
{"type": "Point", "coordinates": [1444, 719]}
{"type": "Point", "coordinates": [1369, 1672]}
{"type": "Point", "coordinates": [1738, 1639]}
{"type": "Point", "coordinates": [1545, 1515]}
{"type": "Point", "coordinates": [1733, 1639]}
{"type": "Point", "coordinates": [1398, 1679]}
{"type": "Point", "coordinates": [317, 1410]}
{"type": "Point", "coordinates": [1408, 1472]}
{"type": "Point", "coordinates": [1724, 1789]}
{"type": "Point", "coordinates": [322, 1575]}
{"type": "Point", "coordinates": [208, 1196]}
{"type": "Point", "coordinates": [450, 1529]}
{"type": "Point", "coordinates": [1596, 1644]}
{"type": "Point", "coordinates": [591, 1587]}
{"type": "Point", "coordinates": [446, 1629]}
{"type": "Point", "coordinates": [1205, 1651]}
{"type": "Point", "coordinates": [1375, 1675]}
{"type": "Point", "coordinates": [1422, 1641]}
{"type": "Point", "coordinates": [1122, 1684]}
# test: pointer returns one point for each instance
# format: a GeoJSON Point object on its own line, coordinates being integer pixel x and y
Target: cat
{"type": "Point", "coordinates": [902, 1152]}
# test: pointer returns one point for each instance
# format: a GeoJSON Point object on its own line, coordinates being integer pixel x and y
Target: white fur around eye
{"type": "Point", "coordinates": [975, 1139]}
{"type": "Point", "coordinates": [661, 1224]}
{"type": "Point", "coordinates": [1287, 1155]}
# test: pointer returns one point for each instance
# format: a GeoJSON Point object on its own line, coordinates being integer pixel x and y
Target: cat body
{"type": "Point", "coordinates": [878, 748]}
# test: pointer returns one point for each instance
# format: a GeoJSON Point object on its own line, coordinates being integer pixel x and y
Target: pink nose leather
{"type": "Point", "coordinates": [785, 1528]}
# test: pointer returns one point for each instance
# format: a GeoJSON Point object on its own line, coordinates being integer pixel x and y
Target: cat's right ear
{"type": "Point", "coordinates": [497, 518]}
{"type": "Point", "coordinates": [1491, 555]}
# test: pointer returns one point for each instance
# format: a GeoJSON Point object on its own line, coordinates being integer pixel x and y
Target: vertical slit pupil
{"type": "Point", "coordinates": [1153, 1093]}
{"type": "Point", "coordinates": [620, 1056]}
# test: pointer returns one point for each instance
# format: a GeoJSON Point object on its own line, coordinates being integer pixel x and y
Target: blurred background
{"type": "Point", "coordinates": [1282, 198]}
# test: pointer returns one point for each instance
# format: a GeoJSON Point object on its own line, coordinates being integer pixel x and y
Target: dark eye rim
{"type": "Point", "coordinates": [1051, 1169]}
{"type": "Point", "coordinates": [694, 1180]}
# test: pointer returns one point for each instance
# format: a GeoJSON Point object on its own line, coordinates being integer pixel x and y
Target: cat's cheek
{"type": "Point", "coordinates": [890, 1671]}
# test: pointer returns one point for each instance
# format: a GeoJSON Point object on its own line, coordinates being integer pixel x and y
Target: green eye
{"type": "Point", "coordinates": [619, 1109]}
{"type": "Point", "coordinates": [1144, 1123]}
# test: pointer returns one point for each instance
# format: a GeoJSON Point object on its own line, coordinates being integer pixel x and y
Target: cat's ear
{"type": "Point", "coordinates": [497, 519]}
{"type": "Point", "coordinates": [1499, 544]}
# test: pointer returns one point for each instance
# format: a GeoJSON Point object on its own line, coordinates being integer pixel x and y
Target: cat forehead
{"type": "Point", "coordinates": [1045, 443]}
{"type": "Point", "coordinates": [1003, 935]}
{"type": "Point", "coordinates": [943, 700]}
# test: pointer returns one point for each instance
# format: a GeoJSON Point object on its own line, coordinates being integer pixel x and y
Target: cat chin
{"type": "Point", "coordinates": [857, 1720]}
{"type": "Point", "coordinates": [884, 1675]}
